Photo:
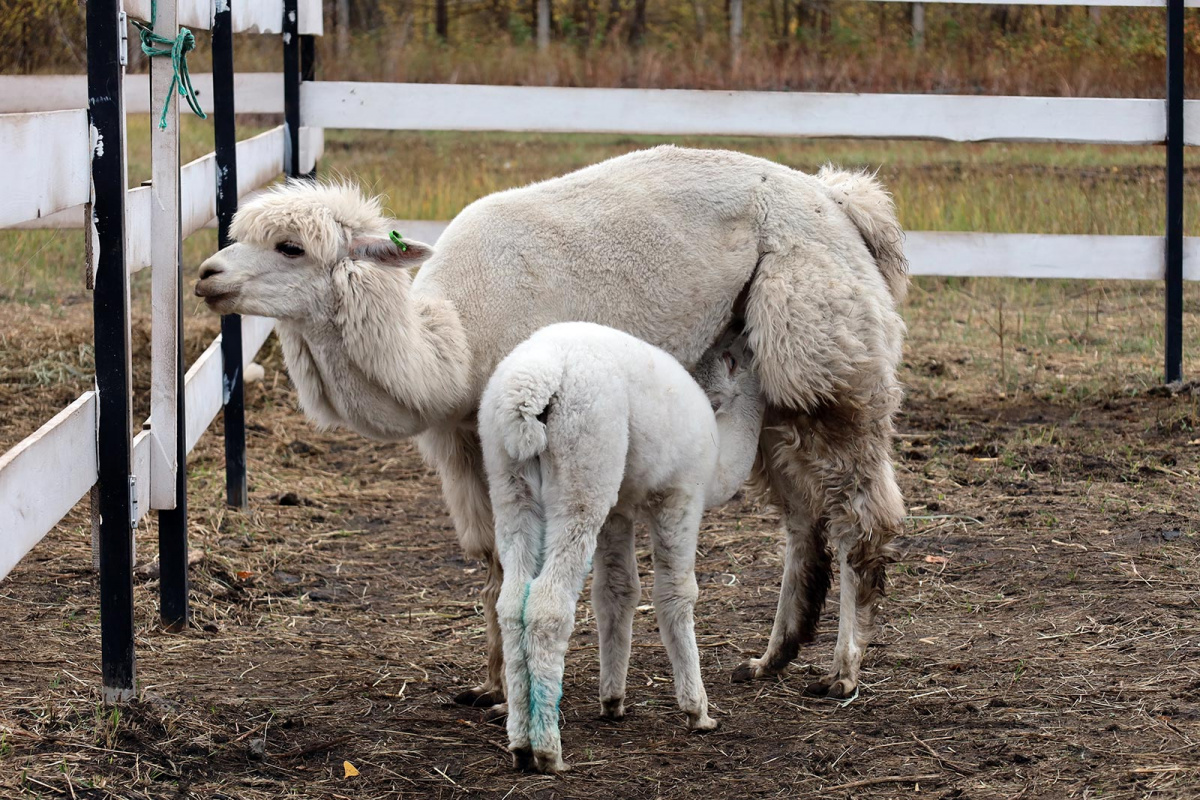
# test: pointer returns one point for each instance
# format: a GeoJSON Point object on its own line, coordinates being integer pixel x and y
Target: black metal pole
{"type": "Point", "coordinates": [308, 57]}
{"type": "Point", "coordinates": [308, 72]}
{"type": "Point", "coordinates": [172, 523]}
{"type": "Point", "coordinates": [291, 89]}
{"type": "Point", "coordinates": [225, 131]}
{"type": "Point", "coordinates": [110, 309]}
{"type": "Point", "coordinates": [1174, 249]}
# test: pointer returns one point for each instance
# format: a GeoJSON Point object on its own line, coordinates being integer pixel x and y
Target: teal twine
{"type": "Point", "coordinates": [177, 49]}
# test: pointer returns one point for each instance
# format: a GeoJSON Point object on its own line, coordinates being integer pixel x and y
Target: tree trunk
{"type": "Point", "coordinates": [442, 20]}
{"type": "Point", "coordinates": [735, 31]}
{"type": "Point", "coordinates": [637, 28]}
{"type": "Point", "coordinates": [614, 17]}
{"type": "Point", "coordinates": [543, 25]}
{"type": "Point", "coordinates": [342, 22]}
{"type": "Point", "coordinates": [700, 18]}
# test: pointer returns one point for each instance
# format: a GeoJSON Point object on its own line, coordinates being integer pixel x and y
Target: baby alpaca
{"type": "Point", "coordinates": [581, 424]}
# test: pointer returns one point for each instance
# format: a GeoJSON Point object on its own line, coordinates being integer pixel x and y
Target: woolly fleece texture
{"type": "Point", "coordinates": [582, 424]}
{"type": "Point", "coordinates": [659, 243]}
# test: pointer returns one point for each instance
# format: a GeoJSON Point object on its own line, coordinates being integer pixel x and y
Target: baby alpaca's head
{"type": "Point", "coordinates": [724, 371]}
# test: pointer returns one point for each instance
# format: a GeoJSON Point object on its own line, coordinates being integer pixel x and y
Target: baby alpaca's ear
{"type": "Point", "coordinates": [395, 251]}
{"type": "Point", "coordinates": [731, 363]}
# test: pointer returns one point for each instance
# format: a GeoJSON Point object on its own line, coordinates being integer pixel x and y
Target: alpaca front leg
{"type": "Point", "coordinates": [673, 529]}
{"type": "Point", "coordinates": [490, 694]}
{"type": "Point", "coordinates": [806, 564]}
{"type": "Point", "coordinates": [615, 593]}
{"type": "Point", "coordinates": [458, 458]}
{"type": "Point", "coordinates": [493, 688]}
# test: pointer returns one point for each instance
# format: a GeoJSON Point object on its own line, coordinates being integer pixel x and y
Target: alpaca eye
{"type": "Point", "coordinates": [289, 249]}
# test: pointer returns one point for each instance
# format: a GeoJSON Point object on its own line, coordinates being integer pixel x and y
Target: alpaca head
{"type": "Point", "coordinates": [290, 243]}
{"type": "Point", "coordinates": [724, 371]}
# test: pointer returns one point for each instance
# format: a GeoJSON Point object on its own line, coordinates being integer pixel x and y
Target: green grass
{"type": "Point", "coordinates": [1062, 338]}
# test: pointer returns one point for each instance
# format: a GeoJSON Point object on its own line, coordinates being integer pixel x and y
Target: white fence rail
{"type": "Point", "coordinates": [1104, 3]}
{"type": "Point", "coordinates": [255, 92]}
{"type": "Point", "coordinates": [258, 16]}
{"type": "Point", "coordinates": [682, 112]}
{"type": "Point", "coordinates": [46, 163]}
{"type": "Point", "coordinates": [44, 476]}
{"type": "Point", "coordinates": [260, 160]}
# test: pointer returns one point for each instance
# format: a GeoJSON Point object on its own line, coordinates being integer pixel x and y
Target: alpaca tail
{"type": "Point", "coordinates": [528, 390]}
{"type": "Point", "coordinates": [869, 206]}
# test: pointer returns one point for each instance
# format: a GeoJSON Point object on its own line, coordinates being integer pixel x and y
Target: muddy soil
{"type": "Point", "coordinates": [1041, 638]}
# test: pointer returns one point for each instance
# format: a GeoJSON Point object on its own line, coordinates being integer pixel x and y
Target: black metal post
{"type": "Point", "coordinates": [172, 523]}
{"type": "Point", "coordinates": [1174, 272]}
{"type": "Point", "coordinates": [291, 89]}
{"type": "Point", "coordinates": [227, 202]}
{"type": "Point", "coordinates": [308, 72]}
{"type": "Point", "coordinates": [308, 57]}
{"type": "Point", "coordinates": [110, 309]}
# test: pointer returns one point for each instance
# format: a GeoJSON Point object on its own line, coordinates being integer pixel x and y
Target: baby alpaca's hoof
{"type": "Point", "coordinates": [549, 763]}
{"type": "Point", "coordinates": [478, 697]}
{"type": "Point", "coordinates": [522, 758]}
{"type": "Point", "coordinates": [497, 714]}
{"type": "Point", "coordinates": [701, 723]}
{"type": "Point", "coordinates": [613, 709]}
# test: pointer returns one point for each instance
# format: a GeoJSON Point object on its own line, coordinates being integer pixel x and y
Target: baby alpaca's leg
{"type": "Point", "coordinates": [519, 532]}
{"type": "Point", "coordinates": [549, 617]}
{"type": "Point", "coordinates": [674, 524]}
{"type": "Point", "coordinates": [615, 593]}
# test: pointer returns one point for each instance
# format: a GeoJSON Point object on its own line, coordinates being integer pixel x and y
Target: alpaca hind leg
{"type": "Point", "coordinates": [806, 566]}
{"type": "Point", "coordinates": [549, 617]}
{"type": "Point", "coordinates": [615, 593]}
{"type": "Point", "coordinates": [519, 545]}
{"type": "Point", "coordinates": [865, 509]}
{"type": "Point", "coordinates": [674, 524]}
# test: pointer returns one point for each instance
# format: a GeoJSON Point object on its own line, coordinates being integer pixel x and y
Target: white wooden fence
{"type": "Point", "coordinates": [47, 183]}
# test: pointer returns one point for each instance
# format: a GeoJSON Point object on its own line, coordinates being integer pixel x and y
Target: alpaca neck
{"type": "Point", "coordinates": [381, 362]}
{"type": "Point", "coordinates": [738, 426]}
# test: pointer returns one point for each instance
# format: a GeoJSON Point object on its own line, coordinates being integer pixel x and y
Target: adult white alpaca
{"type": "Point", "coordinates": [662, 244]}
{"type": "Point", "coordinates": [579, 421]}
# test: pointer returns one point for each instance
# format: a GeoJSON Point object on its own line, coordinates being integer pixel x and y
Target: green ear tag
{"type": "Point", "coordinates": [399, 240]}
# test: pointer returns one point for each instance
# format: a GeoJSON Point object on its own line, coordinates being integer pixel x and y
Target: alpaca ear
{"type": "Point", "coordinates": [390, 252]}
{"type": "Point", "coordinates": [730, 362]}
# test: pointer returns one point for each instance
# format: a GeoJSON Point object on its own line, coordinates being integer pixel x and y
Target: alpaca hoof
{"type": "Point", "coordinates": [749, 670]}
{"type": "Point", "coordinates": [497, 714]}
{"type": "Point", "coordinates": [522, 758]}
{"type": "Point", "coordinates": [701, 723]}
{"type": "Point", "coordinates": [478, 697]}
{"type": "Point", "coordinates": [843, 689]}
{"type": "Point", "coordinates": [549, 763]}
{"type": "Point", "coordinates": [613, 709]}
{"type": "Point", "coordinates": [832, 687]}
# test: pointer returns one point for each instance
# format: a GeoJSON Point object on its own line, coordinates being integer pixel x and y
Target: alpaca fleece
{"type": "Point", "coordinates": [584, 430]}
{"type": "Point", "coordinates": [661, 244]}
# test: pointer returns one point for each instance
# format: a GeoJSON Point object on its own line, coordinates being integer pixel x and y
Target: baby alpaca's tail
{"type": "Point", "coordinates": [524, 401]}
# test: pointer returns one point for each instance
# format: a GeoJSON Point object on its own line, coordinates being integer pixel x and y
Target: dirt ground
{"type": "Point", "coordinates": [1041, 638]}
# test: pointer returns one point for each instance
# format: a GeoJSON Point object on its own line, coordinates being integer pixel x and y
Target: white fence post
{"type": "Point", "coordinates": [164, 260]}
{"type": "Point", "coordinates": [918, 25]}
